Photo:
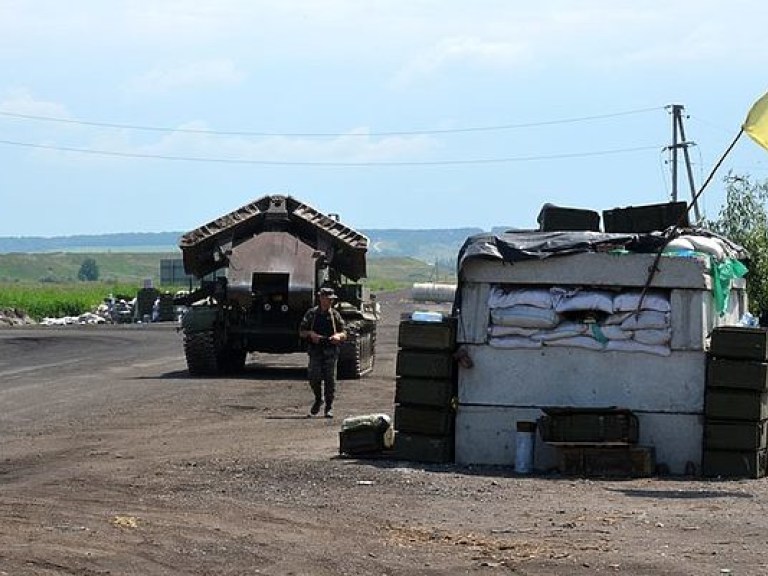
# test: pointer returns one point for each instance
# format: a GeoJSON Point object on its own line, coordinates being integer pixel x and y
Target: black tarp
{"type": "Point", "coordinates": [514, 246]}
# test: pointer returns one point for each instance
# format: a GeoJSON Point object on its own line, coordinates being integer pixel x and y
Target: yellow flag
{"type": "Point", "coordinates": [756, 124]}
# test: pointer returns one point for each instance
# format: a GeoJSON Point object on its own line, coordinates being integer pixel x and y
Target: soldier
{"type": "Point", "coordinates": [324, 328]}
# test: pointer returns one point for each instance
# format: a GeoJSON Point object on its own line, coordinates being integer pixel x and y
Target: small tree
{"type": "Point", "coordinates": [744, 219]}
{"type": "Point", "coordinates": [89, 271]}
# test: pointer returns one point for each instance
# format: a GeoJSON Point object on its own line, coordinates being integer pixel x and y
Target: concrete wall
{"type": "Point", "coordinates": [666, 393]}
{"type": "Point", "coordinates": [486, 434]}
{"type": "Point", "coordinates": [584, 378]}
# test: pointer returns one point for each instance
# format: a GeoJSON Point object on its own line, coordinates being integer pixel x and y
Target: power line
{"type": "Point", "coordinates": [498, 127]}
{"type": "Point", "coordinates": [327, 164]}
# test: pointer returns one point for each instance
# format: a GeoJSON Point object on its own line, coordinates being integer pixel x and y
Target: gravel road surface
{"type": "Point", "coordinates": [114, 461]}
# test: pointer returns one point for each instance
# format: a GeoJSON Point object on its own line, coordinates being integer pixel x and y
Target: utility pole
{"type": "Point", "coordinates": [679, 142]}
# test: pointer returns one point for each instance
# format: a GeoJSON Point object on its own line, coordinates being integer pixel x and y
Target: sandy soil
{"type": "Point", "coordinates": [114, 461]}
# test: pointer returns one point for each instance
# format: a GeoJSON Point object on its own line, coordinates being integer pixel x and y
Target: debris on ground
{"type": "Point", "coordinates": [14, 317]}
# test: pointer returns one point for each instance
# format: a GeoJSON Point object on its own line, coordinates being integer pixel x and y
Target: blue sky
{"type": "Point", "coordinates": [394, 114]}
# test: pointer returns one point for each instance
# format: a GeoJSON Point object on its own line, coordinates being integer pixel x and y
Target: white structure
{"type": "Point", "coordinates": [433, 292]}
{"type": "Point", "coordinates": [513, 380]}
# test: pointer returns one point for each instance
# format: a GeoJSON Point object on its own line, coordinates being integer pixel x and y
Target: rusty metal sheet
{"type": "Point", "coordinates": [207, 248]}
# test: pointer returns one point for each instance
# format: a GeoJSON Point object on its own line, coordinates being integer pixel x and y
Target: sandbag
{"type": "Point", "coordinates": [582, 300]}
{"type": "Point", "coordinates": [525, 317]}
{"type": "Point", "coordinates": [538, 297]}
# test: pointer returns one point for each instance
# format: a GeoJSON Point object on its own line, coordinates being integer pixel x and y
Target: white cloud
{"type": "Point", "coordinates": [464, 51]}
{"type": "Point", "coordinates": [190, 141]}
{"type": "Point", "coordinates": [199, 74]}
{"type": "Point", "coordinates": [358, 146]}
{"type": "Point", "coordinates": [21, 101]}
{"type": "Point", "coordinates": [590, 34]}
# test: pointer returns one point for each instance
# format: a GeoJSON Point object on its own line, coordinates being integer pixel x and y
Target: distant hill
{"type": "Point", "coordinates": [435, 245]}
{"type": "Point", "coordinates": [123, 242]}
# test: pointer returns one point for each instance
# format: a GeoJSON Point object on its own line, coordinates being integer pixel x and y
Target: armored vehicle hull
{"type": "Point", "coordinates": [260, 268]}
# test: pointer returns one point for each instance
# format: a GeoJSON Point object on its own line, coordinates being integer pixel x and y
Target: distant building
{"type": "Point", "coordinates": [172, 273]}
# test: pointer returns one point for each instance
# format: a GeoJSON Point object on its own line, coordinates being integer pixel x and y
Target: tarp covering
{"type": "Point", "coordinates": [531, 245]}
{"type": "Point", "coordinates": [514, 246]}
{"type": "Point", "coordinates": [205, 249]}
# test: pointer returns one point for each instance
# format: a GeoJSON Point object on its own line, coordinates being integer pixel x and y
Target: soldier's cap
{"type": "Point", "coordinates": [326, 291]}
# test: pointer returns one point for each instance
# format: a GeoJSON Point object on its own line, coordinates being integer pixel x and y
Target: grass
{"type": "Point", "coordinates": [45, 285]}
{"type": "Point", "coordinates": [45, 299]}
{"type": "Point", "coordinates": [62, 267]}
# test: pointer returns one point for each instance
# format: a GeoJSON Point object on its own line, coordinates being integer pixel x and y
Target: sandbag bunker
{"type": "Point", "coordinates": [572, 330]}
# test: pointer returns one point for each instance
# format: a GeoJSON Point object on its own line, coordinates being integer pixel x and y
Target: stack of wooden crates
{"type": "Point", "coordinates": [736, 404]}
{"type": "Point", "coordinates": [425, 391]}
{"type": "Point", "coordinates": [597, 441]}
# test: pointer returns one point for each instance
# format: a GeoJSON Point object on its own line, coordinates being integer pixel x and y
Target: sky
{"type": "Point", "coordinates": [162, 115]}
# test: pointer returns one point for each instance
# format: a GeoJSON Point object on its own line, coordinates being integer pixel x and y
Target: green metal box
{"type": "Point", "coordinates": [553, 218]}
{"type": "Point", "coordinates": [421, 420]}
{"type": "Point", "coordinates": [568, 425]}
{"type": "Point", "coordinates": [646, 218]}
{"type": "Point", "coordinates": [608, 461]}
{"type": "Point", "coordinates": [361, 441]}
{"type": "Point", "coordinates": [420, 448]}
{"type": "Point", "coordinates": [744, 374]}
{"type": "Point", "coordinates": [731, 404]}
{"type": "Point", "coordinates": [425, 364]}
{"type": "Point", "coordinates": [733, 464]}
{"type": "Point", "coordinates": [740, 342]}
{"type": "Point", "coordinates": [427, 335]}
{"type": "Point", "coordinates": [735, 435]}
{"type": "Point", "coordinates": [425, 392]}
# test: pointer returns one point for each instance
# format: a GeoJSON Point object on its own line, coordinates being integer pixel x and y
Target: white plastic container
{"type": "Point", "coordinates": [427, 316]}
{"type": "Point", "coordinates": [524, 439]}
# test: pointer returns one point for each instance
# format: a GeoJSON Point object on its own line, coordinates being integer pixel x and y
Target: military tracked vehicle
{"type": "Point", "coordinates": [260, 268]}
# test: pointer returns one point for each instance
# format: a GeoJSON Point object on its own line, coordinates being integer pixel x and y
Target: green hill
{"type": "Point", "coordinates": [430, 245]}
{"type": "Point", "coordinates": [133, 268]}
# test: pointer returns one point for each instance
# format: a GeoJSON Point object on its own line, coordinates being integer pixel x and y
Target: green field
{"type": "Point", "coordinates": [46, 284]}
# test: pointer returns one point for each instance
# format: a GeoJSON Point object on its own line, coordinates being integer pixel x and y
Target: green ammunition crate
{"type": "Point", "coordinates": [427, 335]}
{"type": "Point", "coordinates": [566, 425]}
{"type": "Point", "coordinates": [745, 374]}
{"type": "Point", "coordinates": [421, 420]}
{"type": "Point", "coordinates": [166, 311]}
{"type": "Point", "coordinates": [145, 300]}
{"type": "Point", "coordinates": [424, 392]}
{"type": "Point", "coordinates": [740, 342]}
{"type": "Point", "coordinates": [553, 218]}
{"type": "Point", "coordinates": [646, 218]}
{"type": "Point", "coordinates": [735, 435]}
{"type": "Point", "coordinates": [361, 441]}
{"type": "Point", "coordinates": [733, 464]}
{"type": "Point", "coordinates": [730, 404]}
{"type": "Point", "coordinates": [608, 461]}
{"type": "Point", "coordinates": [425, 364]}
{"type": "Point", "coordinates": [420, 448]}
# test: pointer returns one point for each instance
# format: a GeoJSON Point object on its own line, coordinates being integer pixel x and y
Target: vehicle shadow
{"type": "Point", "coordinates": [251, 372]}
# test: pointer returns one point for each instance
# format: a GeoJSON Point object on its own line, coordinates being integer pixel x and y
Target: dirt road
{"type": "Point", "coordinates": [114, 461]}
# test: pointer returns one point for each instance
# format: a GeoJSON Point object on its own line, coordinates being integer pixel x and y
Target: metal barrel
{"type": "Point", "coordinates": [433, 292]}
